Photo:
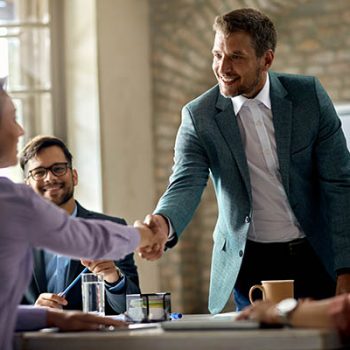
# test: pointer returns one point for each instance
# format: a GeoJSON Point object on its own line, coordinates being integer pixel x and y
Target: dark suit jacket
{"type": "Point", "coordinates": [314, 165]}
{"type": "Point", "coordinates": [115, 303]}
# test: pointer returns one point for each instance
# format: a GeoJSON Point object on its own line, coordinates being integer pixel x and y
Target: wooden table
{"type": "Point", "coordinates": [154, 339]}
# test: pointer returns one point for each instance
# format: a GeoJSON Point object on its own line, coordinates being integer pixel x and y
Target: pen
{"type": "Point", "coordinates": [175, 316]}
{"type": "Point", "coordinates": [73, 283]}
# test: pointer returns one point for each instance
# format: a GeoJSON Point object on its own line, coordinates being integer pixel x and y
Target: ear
{"type": "Point", "coordinates": [268, 58]}
{"type": "Point", "coordinates": [75, 177]}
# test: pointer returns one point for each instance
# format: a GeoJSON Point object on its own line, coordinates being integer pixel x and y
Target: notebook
{"type": "Point", "coordinates": [217, 322]}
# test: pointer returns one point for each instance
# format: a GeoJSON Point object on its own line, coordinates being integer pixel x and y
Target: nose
{"type": "Point", "coordinates": [20, 130]}
{"type": "Point", "coordinates": [49, 175]}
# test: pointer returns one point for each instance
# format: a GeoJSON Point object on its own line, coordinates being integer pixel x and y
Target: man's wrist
{"type": "Point", "coordinates": [285, 309]}
{"type": "Point", "coordinates": [120, 276]}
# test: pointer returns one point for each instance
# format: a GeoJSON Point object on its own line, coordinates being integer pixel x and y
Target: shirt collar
{"type": "Point", "coordinates": [263, 96]}
{"type": "Point", "coordinates": [75, 212]}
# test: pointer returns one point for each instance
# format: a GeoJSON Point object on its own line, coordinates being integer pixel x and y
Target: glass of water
{"type": "Point", "coordinates": [93, 293]}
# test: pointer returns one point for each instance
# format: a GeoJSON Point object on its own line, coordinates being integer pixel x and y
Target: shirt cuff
{"type": "Point", "coordinates": [171, 233]}
{"type": "Point", "coordinates": [114, 288]}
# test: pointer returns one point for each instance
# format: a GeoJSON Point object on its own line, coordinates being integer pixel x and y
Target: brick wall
{"type": "Point", "coordinates": [313, 39]}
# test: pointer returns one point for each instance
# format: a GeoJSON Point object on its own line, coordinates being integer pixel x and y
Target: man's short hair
{"type": "Point", "coordinates": [251, 21]}
{"type": "Point", "coordinates": [37, 144]}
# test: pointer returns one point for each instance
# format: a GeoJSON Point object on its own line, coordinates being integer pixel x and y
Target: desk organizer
{"type": "Point", "coordinates": [152, 307]}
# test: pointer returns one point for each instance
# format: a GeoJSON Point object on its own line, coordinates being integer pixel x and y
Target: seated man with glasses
{"type": "Point", "coordinates": [47, 165]}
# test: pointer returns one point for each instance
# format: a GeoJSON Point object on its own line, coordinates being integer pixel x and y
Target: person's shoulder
{"type": "Point", "coordinates": [206, 100]}
{"type": "Point", "coordinates": [89, 214]}
{"type": "Point", "coordinates": [292, 79]}
{"type": "Point", "coordinates": [10, 188]}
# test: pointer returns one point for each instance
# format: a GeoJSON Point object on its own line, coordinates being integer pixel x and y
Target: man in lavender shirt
{"type": "Point", "coordinates": [28, 221]}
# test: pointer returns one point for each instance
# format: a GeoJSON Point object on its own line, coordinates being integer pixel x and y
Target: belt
{"type": "Point", "coordinates": [293, 247]}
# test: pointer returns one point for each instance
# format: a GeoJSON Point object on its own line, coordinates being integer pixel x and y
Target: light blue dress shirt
{"type": "Point", "coordinates": [57, 269]}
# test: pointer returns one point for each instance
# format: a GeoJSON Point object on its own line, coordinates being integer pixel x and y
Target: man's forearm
{"type": "Point", "coordinates": [313, 314]}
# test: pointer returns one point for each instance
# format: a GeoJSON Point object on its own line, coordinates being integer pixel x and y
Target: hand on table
{"type": "Point", "coordinates": [51, 300]}
{"type": "Point", "coordinates": [159, 226]}
{"type": "Point", "coordinates": [79, 321]}
{"type": "Point", "coordinates": [261, 311]}
{"type": "Point", "coordinates": [105, 267]}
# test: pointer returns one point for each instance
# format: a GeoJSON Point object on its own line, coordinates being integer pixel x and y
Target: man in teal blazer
{"type": "Point", "coordinates": [312, 168]}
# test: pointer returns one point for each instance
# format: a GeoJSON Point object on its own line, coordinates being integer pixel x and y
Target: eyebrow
{"type": "Point", "coordinates": [236, 52]}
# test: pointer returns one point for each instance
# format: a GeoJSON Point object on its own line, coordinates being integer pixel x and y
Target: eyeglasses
{"type": "Point", "coordinates": [57, 169]}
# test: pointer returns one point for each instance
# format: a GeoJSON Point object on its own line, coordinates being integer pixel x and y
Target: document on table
{"type": "Point", "coordinates": [220, 321]}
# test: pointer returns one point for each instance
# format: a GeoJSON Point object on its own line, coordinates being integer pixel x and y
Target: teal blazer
{"type": "Point", "coordinates": [314, 166]}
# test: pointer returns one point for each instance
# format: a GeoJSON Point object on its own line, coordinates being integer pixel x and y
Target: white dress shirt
{"type": "Point", "coordinates": [272, 219]}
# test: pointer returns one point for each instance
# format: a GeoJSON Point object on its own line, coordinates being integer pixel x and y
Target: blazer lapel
{"type": "Point", "coordinates": [227, 123]}
{"type": "Point", "coordinates": [282, 120]}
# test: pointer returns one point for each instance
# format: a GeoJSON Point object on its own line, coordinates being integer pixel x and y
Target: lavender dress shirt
{"type": "Point", "coordinates": [27, 221]}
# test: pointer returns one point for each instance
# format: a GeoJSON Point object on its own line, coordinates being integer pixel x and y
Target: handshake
{"type": "Point", "coordinates": [154, 235]}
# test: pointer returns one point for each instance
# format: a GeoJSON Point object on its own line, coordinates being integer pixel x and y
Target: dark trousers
{"type": "Point", "coordinates": [275, 261]}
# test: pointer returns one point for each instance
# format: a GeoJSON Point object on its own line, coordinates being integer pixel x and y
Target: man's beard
{"type": "Point", "coordinates": [246, 91]}
{"type": "Point", "coordinates": [65, 198]}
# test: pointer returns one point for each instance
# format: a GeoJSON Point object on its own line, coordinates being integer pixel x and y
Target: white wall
{"type": "Point", "coordinates": [108, 87]}
{"type": "Point", "coordinates": [81, 95]}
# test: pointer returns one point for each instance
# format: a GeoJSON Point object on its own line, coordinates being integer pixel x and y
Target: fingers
{"type": "Point", "coordinates": [85, 262]}
{"type": "Point", "coordinates": [105, 267]}
{"type": "Point", "coordinates": [157, 223]}
{"type": "Point", "coordinates": [51, 300]}
{"type": "Point", "coordinates": [88, 321]}
{"type": "Point", "coordinates": [262, 311]}
{"type": "Point", "coordinates": [99, 266]}
{"type": "Point", "coordinates": [148, 219]}
{"type": "Point", "coordinates": [154, 235]}
{"type": "Point", "coordinates": [78, 321]}
{"type": "Point", "coordinates": [151, 253]}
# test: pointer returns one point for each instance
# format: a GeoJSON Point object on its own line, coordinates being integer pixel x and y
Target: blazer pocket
{"type": "Point", "coordinates": [303, 150]}
{"type": "Point", "coordinates": [219, 242]}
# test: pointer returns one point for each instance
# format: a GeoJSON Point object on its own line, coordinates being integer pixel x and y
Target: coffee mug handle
{"type": "Point", "coordinates": [251, 290]}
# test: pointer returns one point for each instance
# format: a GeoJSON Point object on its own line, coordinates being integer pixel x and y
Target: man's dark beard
{"type": "Point", "coordinates": [66, 198]}
{"type": "Point", "coordinates": [243, 90]}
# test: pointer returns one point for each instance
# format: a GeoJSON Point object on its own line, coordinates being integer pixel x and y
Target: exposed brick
{"type": "Point", "coordinates": [313, 39]}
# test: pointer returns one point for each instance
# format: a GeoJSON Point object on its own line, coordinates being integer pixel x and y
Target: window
{"type": "Point", "coordinates": [25, 46]}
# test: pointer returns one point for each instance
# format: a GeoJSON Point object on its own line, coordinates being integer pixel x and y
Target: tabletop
{"type": "Point", "coordinates": [181, 339]}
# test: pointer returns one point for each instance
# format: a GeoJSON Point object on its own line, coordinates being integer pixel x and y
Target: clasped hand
{"type": "Point", "coordinates": [154, 235]}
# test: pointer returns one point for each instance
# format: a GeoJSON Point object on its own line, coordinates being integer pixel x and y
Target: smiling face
{"type": "Point", "coordinates": [10, 131]}
{"type": "Point", "coordinates": [237, 68]}
{"type": "Point", "coordinates": [57, 189]}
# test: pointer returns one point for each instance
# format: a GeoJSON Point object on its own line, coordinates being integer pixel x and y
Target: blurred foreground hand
{"type": "Point", "coordinates": [79, 321]}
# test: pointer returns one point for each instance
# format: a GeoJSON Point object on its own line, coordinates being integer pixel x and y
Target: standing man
{"type": "Point", "coordinates": [274, 148]}
{"type": "Point", "coordinates": [47, 165]}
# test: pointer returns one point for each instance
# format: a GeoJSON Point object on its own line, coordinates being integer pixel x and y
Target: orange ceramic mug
{"type": "Point", "coordinates": [274, 290]}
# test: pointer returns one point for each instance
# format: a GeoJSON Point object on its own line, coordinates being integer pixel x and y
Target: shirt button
{"type": "Point", "coordinates": [247, 219]}
{"type": "Point", "coordinates": [241, 253]}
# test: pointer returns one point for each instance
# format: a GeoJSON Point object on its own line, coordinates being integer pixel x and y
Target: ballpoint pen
{"type": "Point", "coordinates": [175, 316]}
{"type": "Point", "coordinates": [73, 283]}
